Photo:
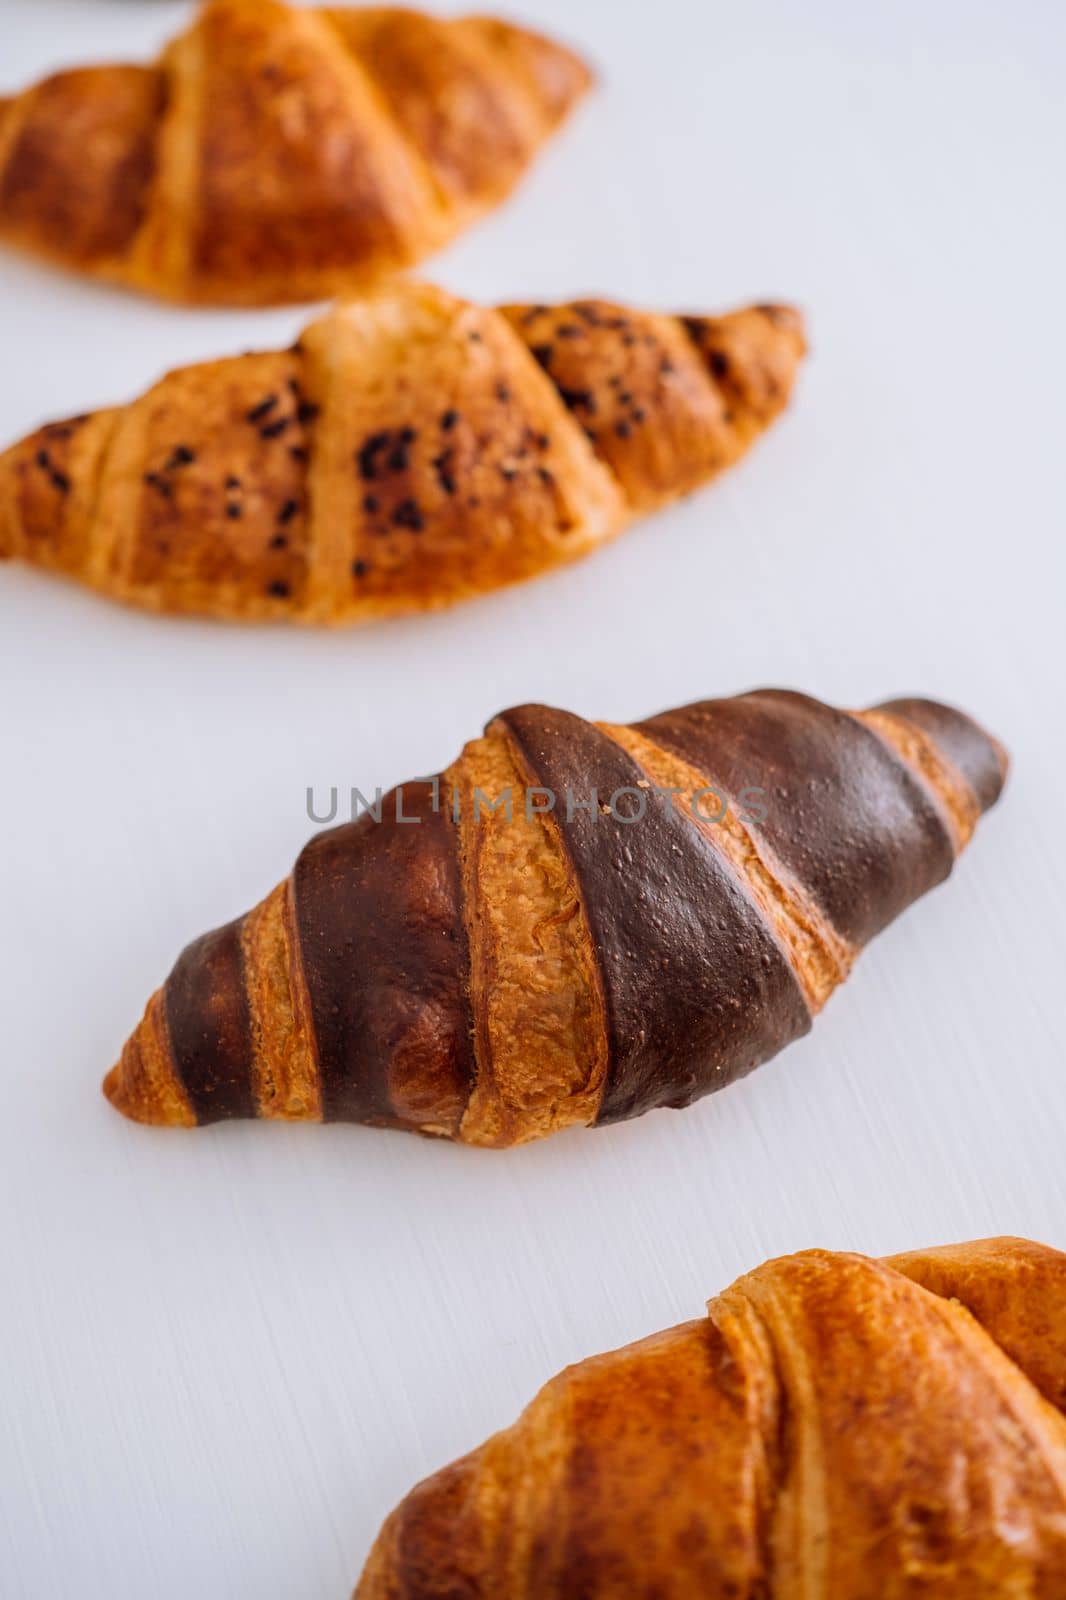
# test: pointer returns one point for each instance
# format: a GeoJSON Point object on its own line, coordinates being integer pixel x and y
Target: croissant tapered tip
{"type": "Point", "coordinates": [753, 356]}
{"type": "Point", "coordinates": [429, 1533]}
{"type": "Point", "coordinates": [978, 756]}
{"type": "Point", "coordinates": [142, 1084]}
{"type": "Point", "coordinates": [8, 505]}
{"type": "Point", "coordinates": [117, 1089]}
{"type": "Point", "coordinates": [559, 76]}
{"type": "Point", "coordinates": [789, 322]}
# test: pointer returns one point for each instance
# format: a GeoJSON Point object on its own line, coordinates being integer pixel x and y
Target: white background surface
{"type": "Point", "coordinates": [225, 1355]}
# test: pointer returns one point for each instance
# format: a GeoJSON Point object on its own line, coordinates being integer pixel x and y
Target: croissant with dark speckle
{"type": "Point", "coordinates": [835, 1427]}
{"type": "Point", "coordinates": [276, 153]}
{"type": "Point", "coordinates": [575, 923]}
{"type": "Point", "coordinates": [410, 451]}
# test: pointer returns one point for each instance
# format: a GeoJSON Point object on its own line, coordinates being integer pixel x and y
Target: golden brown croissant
{"type": "Point", "coordinates": [836, 1427]}
{"type": "Point", "coordinates": [277, 154]}
{"type": "Point", "coordinates": [575, 923]}
{"type": "Point", "coordinates": [411, 450]}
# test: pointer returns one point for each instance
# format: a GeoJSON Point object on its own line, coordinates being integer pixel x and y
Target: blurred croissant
{"type": "Point", "coordinates": [277, 154]}
{"type": "Point", "coordinates": [836, 1428]}
{"type": "Point", "coordinates": [410, 451]}
{"type": "Point", "coordinates": [576, 923]}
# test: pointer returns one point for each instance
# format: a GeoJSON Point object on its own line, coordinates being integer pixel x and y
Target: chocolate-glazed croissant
{"type": "Point", "coordinates": [836, 1427]}
{"type": "Point", "coordinates": [411, 451]}
{"type": "Point", "coordinates": [576, 923]}
{"type": "Point", "coordinates": [276, 153]}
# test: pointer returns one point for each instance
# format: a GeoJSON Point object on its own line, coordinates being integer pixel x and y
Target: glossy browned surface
{"type": "Point", "coordinates": [76, 177]}
{"type": "Point", "coordinates": [658, 396]}
{"type": "Point", "coordinates": [297, 171]}
{"type": "Point", "coordinates": [697, 990]}
{"type": "Point", "coordinates": [1016, 1290]}
{"type": "Point", "coordinates": [831, 1429]}
{"type": "Point", "coordinates": [981, 760]}
{"type": "Point", "coordinates": [411, 450]}
{"type": "Point", "coordinates": [278, 153]}
{"type": "Point", "coordinates": [839, 808]}
{"type": "Point", "coordinates": [469, 96]}
{"type": "Point", "coordinates": [385, 956]}
{"type": "Point", "coordinates": [209, 1027]}
{"type": "Point", "coordinates": [496, 979]}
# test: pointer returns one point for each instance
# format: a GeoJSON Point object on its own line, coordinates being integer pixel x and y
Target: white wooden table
{"type": "Point", "coordinates": [225, 1355]}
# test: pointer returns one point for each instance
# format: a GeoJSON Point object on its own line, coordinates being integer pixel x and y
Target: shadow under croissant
{"type": "Point", "coordinates": [657, 910]}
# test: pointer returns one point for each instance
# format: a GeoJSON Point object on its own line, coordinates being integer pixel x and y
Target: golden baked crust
{"type": "Point", "coordinates": [837, 1426]}
{"type": "Point", "coordinates": [575, 923]}
{"type": "Point", "coordinates": [411, 450]}
{"type": "Point", "coordinates": [276, 153]}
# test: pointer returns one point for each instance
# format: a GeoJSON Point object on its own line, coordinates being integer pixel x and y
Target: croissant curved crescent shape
{"type": "Point", "coordinates": [575, 923]}
{"type": "Point", "coordinates": [412, 450]}
{"type": "Point", "coordinates": [275, 153]}
{"type": "Point", "coordinates": [836, 1426]}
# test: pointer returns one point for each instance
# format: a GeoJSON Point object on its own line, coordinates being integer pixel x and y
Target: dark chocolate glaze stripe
{"type": "Point", "coordinates": [698, 991]}
{"type": "Point", "coordinates": [842, 812]}
{"type": "Point", "coordinates": [982, 762]}
{"type": "Point", "coordinates": [210, 1026]}
{"type": "Point", "coordinates": [378, 909]}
